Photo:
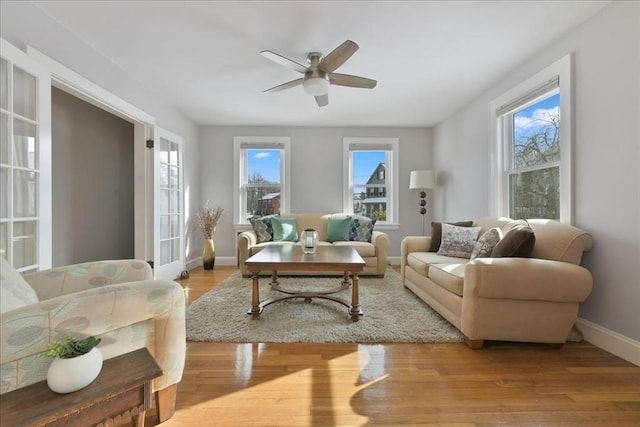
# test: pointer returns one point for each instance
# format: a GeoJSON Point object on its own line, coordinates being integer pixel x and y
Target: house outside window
{"type": "Point", "coordinates": [370, 179]}
{"type": "Point", "coordinates": [531, 147]}
{"type": "Point", "coordinates": [261, 176]}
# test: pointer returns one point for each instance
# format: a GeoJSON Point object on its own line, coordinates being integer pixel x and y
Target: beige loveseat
{"type": "Point", "coordinates": [374, 253]}
{"type": "Point", "coordinates": [532, 299]}
{"type": "Point", "coordinates": [117, 301]}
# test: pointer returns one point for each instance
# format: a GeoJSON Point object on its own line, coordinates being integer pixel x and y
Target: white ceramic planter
{"type": "Point", "coordinates": [68, 375]}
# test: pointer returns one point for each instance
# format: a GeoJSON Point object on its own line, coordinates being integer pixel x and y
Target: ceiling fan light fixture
{"type": "Point", "coordinates": [316, 86]}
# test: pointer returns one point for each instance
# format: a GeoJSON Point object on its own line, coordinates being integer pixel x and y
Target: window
{"type": "Point", "coordinates": [261, 176]}
{"type": "Point", "coordinates": [531, 147]}
{"type": "Point", "coordinates": [370, 178]}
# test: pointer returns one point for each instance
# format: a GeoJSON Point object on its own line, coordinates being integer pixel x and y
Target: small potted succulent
{"type": "Point", "coordinates": [77, 362]}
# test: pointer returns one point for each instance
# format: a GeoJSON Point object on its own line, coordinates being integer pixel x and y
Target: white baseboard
{"type": "Point", "coordinates": [394, 260]}
{"type": "Point", "coordinates": [611, 341]}
{"type": "Point", "coordinates": [220, 260]}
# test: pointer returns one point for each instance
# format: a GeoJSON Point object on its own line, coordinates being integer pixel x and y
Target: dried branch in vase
{"type": "Point", "coordinates": [208, 220]}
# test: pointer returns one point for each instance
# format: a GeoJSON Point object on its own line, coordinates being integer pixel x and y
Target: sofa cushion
{"type": "Point", "coordinates": [364, 249]}
{"type": "Point", "coordinates": [458, 241]}
{"type": "Point", "coordinates": [485, 244]}
{"type": "Point", "coordinates": [421, 261]}
{"type": "Point", "coordinates": [15, 292]}
{"type": "Point", "coordinates": [448, 276]}
{"type": "Point", "coordinates": [263, 228]}
{"type": "Point", "coordinates": [361, 228]}
{"type": "Point", "coordinates": [284, 229]}
{"type": "Point", "coordinates": [518, 240]}
{"type": "Point", "coordinates": [338, 229]}
{"type": "Point", "coordinates": [436, 233]}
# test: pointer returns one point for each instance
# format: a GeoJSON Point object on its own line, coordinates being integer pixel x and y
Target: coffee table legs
{"type": "Point", "coordinates": [355, 311]}
{"type": "Point", "coordinates": [255, 297]}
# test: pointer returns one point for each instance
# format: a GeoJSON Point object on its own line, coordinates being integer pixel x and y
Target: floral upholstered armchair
{"type": "Point", "coordinates": [118, 301]}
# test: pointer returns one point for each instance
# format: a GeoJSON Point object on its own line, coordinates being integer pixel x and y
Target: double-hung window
{"type": "Point", "coordinates": [371, 178]}
{"type": "Point", "coordinates": [531, 147]}
{"type": "Point", "coordinates": [261, 176]}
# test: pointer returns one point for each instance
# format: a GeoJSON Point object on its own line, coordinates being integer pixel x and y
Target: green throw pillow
{"type": "Point", "coordinates": [338, 229]}
{"type": "Point", "coordinates": [284, 229]}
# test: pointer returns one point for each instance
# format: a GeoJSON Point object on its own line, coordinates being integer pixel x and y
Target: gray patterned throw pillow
{"type": "Point", "coordinates": [458, 241]}
{"type": "Point", "coordinates": [485, 244]}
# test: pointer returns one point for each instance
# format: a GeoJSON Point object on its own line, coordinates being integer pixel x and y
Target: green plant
{"type": "Point", "coordinates": [70, 347]}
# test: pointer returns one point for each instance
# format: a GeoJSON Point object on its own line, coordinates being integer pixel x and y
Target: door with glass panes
{"type": "Point", "coordinates": [25, 161]}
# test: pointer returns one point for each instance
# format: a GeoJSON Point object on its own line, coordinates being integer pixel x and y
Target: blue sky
{"type": "Point", "coordinates": [267, 163]}
{"type": "Point", "coordinates": [527, 120]}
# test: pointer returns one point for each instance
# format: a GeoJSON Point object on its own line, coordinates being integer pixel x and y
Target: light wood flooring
{"type": "Point", "coordinates": [506, 384]}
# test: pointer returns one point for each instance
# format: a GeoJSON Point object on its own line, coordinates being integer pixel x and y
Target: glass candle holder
{"type": "Point", "coordinates": [309, 241]}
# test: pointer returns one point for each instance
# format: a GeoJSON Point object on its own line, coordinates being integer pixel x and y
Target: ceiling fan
{"type": "Point", "coordinates": [319, 75]}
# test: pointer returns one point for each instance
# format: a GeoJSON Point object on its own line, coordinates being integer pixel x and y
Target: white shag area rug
{"type": "Point", "coordinates": [392, 314]}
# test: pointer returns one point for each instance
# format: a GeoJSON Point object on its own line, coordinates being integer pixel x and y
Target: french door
{"type": "Point", "coordinates": [25, 160]}
{"type": "Point", "coordinates": [168, 217]}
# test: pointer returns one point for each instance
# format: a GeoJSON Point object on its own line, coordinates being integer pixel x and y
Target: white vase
{"type": "Point", "coordinates": [68, 375]}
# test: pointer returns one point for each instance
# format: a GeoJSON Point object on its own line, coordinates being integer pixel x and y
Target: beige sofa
{"type": "Point", "coordinates": [374, 253]}
{"type": "Point", "coordinates": [118, 301]}
{"type": "Point", "coordinates": [532, 299]}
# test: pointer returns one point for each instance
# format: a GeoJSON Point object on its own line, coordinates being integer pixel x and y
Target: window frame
{"type": "Point", "coordinates": [500, 145]}
{"type": "Point", "coordinates": [241, 144]}
{"type": "Point", "coordinates": [391, 146]}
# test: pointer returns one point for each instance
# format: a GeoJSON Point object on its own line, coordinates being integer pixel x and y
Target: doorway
{"type": "Point", "coordinates": [92, 182]}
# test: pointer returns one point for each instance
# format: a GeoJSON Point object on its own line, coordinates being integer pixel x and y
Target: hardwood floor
{"type": "Point", "coordinates": [507, 384]}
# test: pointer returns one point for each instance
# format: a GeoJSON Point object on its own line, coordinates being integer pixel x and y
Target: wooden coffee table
{"type": "Point", "coordinates": [291, 258]}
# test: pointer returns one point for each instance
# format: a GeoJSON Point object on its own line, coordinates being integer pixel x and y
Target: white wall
{"type": "Point", "coordinates": [606, 157]}
{"type": "Point", "coordinates": [23, 24]}
{"type": "Point", "coordinates": [316, 172]}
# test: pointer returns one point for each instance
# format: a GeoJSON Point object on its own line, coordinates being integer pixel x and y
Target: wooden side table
{"type": "Point", "coordinates": [122, 391]}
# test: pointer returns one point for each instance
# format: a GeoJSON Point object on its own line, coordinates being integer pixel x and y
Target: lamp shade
{"type": "Point", "coordinates": [422, 179]}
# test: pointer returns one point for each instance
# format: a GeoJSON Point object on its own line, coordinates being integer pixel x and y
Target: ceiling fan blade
{"type": "Point", "coordinates": [284, 86]}
{"type": "Point", "coordinates": [279, 59]}
{"type": "Point", "coordinates": [322, 100]}
{"type": "Point", "coordinates": [351, 81]}
{"type": "Point", "coordinates": [338, 56]}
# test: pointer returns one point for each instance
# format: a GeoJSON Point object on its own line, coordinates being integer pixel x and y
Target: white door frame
{"type": "Point", "coordinates": [69, 81]}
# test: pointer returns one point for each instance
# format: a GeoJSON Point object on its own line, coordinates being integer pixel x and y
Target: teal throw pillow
{"type": "Point", "coordinates": [338, 229]}
{"type": "Point", "coordinates": [361, 229]}
{"type": "Point", "coordinates": [263, 228]}
{"type": "Point", "coordinates": [285, 229]}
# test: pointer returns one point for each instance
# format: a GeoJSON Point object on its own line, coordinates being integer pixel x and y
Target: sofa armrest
{"type": "Point", "coordinates": [89, 275]}
{"type": "Point", "coordinates": [246, 240]}
{"type": "Point", "coordinates": [412, 244]}
{"type": "Point", "coordinates": [380, 240]}
{"type": "Point", "coordinates": [526, 279]}
{"type": "Point", "coordinates": [25, 332]}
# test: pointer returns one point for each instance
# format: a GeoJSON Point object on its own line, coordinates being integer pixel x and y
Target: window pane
{"type": "Point", "coordinates": [24, 243]}
{"type": "Point", "coordinates": [370, 184]}
{"type": "Point", "coordinates": [173, 177]}
{"type": "Point", "coordinates": [24, 144]}
{"type": "Point", "coordinates": [175, 249]}
{"type": "Point", "coordinates": [4, 240]}
{"type": "Point", "coordinates": [263, 182]}
{"type": "Point", "coordinates": [175, 225]}
{"type": "Point", "coordinates": [173, 154]}
{"type": "Point", "coordinates": [165, 252]}
{"type": "Point", "coordinates": [24, 194]}
{"type": "Point", "coordinates": [164, 227]}
{"type": "Point", "coordinates": [24, 93]}
{"type": "Point", "coordinates": [4, 192]}
{"type": "Point", "coordinates": [4, 84]}
{"type": "Point", "coordinates": [535, 194]}
{"type": "Point", "coordinates": [536, 136]}
{"type": "Point", "coordinates": [4, 139]}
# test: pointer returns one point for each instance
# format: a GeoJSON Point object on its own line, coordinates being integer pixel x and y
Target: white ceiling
{"type": "Point", "coordinates": [429, 57]}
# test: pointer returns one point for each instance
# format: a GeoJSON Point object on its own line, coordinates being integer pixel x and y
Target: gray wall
{"type": "Point", "coordinates": [606, 157]}
{"type": "Point", "coordinates": [92, 161]}
{"type": "Point", "coordinates": [316, 172]}
{"type": "Point", "coordinates": [22, 24]}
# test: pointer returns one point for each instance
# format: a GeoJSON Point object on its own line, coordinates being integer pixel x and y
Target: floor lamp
{"type": "Point", "coordinates": [421, 180]}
